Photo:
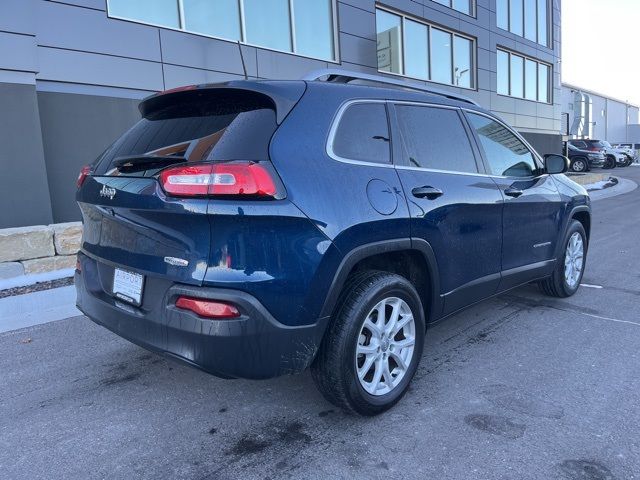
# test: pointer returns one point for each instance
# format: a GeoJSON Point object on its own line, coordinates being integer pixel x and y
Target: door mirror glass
{"type": "Point", "coordinates": [555, 163]}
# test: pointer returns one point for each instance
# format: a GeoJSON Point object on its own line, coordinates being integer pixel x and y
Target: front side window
{"type": "Point", "coordinates": [363, 134]}
{"type": "Point", "coordinates": [506, 154]}
{"type": "Point", "coordinates": [435, 138]}
{"type": "Point", "coordinates": [419, 50]}
{"type": "Point", "coordinates": [304, 27]}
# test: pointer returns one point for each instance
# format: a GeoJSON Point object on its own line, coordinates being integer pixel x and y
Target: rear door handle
{"type": "Point", "coordinates": [513, 192]}
{"type": "Point", "coordinates": [426, 192]}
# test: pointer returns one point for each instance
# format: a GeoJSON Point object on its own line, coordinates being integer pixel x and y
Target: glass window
{"type": "Point", "coordinates": [363, 134]}
{"type": "Point", "coordinates": [389, 35]}
{"type": "Point", "coordinates": [515, 17]}
{"type": "Point", "coordinates": [463, 60]}
{"type": "Point", "coordinates": [502, 14]}
{"type": "Point", "coordinates": [157, 12]}
{"type": "Point", "coordinates": [506, 154]}
{"type": "Point", "coordinates": [314, 28]}
{"type": "Point", "coordinates": [267, 23]}
{"type": "Point", "coordinates": [416, 50]}
{"type": "Point", "coordinates": [543, 83]}
{"type": "Point", "coordinates": [463, 6]}
{"type": "Point", "coordinates": [503, 72]}
{"type": "Point", "coordinates": [517, 79]}
{"type": "Point", "coordinates": [530, 29]}
{"type": "Point", "coordinates": [530, 80]}
{"type": "Point", "coordinates": [441, 70]}
{"type": "Point", "coordinates": [218, 19]}
{"type": "Point", "coordinates": [435, 138]}
{"type": "Point", "coordinates": [543, 19]}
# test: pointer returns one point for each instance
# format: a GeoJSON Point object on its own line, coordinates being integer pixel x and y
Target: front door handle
{"type": "Point", "coordinates": [426, 192]}
{"type": "Point", "coordinates": [513, 192]}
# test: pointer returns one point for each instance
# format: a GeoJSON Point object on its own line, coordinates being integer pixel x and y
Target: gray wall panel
{"type": "Point", "coordinates": [176, 76]}
{"type": "Point", "coordinates": [24, 192]}
{"type": "Point", "coordinates": [358, 50]}
{"type": "Point", "coordinates": [282, 66]}
{"type": "Point", "coordinates": [18, 16]}
{"type": "Point", "coordinates": [357, 22]}
{"type": "Point", "coordinates": [18, 52]}
{"type": "Point", "coordinates": [94, 69]}
{"type": "Point", "coordinates": [75, 130]}
{"type": "Point", "coordinates": [65, 26]}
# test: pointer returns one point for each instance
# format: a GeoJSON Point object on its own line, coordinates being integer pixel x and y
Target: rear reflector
{"type": "Point", "coordinates": [208, 308]}
{"type": "Point", "coordinates": [84, 173]}
{"type": "Point", "coordinates": [239, 178]}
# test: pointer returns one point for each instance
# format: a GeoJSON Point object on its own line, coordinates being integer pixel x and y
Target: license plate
{"type": "Point", "coordinates": [127, 286]}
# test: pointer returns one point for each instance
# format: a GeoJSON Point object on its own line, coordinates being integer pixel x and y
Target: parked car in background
{"type": "Point", "coordinates": [258, 228]}
{"type": "Point", "coordinates": [584, 160]}
{"type": "Point", "coordinates": [627, 158]}
{"type": "Point", "coordinates": [612, 159]}
{"type": "Point", "coordinates": [630, 149]}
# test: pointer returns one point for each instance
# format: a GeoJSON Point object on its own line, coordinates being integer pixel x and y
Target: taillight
{"type": "Point", "coordinates": [208, 308]}
{"type": "Point", "coordinates": [240, 178]}
{"type": "Point", "coordinates": [82, 176]}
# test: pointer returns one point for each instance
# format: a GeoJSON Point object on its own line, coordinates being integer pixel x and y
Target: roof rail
{"type": "Point", "coordinates": [345, 76]}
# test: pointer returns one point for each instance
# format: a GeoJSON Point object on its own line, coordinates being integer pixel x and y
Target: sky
{"type": "Point", "coordinates": [601, 46]}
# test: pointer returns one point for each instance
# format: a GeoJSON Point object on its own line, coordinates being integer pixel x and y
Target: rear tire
{"type": "Point", "coordinates": [569, 270]}
{"type": "Point", "coordinates": [610, 162]}
{"type": "Point", "coordinates": [579, 165]}
{"type": "Point", "coordinates": [362, 365]}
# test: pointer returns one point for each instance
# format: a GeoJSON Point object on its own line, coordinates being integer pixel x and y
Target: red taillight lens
{"type": "Point", "coordinates": [208, 308]}
{"type": "Point", "coordinates": [84, 173]}
{"type": "Point", "coordinates": [245, 178]}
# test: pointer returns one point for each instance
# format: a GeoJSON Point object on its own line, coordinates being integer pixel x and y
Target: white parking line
{"type": "Point", "coordinates": [590, 286]}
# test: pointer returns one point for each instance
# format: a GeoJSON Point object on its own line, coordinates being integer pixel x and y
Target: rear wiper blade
{"type": "Point", "coordinates": [137, 163]}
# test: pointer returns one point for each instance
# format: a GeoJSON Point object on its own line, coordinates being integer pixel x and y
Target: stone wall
{"type": "Point", "coordinates": [38, 249]}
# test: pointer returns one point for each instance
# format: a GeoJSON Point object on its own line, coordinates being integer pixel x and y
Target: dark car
{"type": "Point", "coordinates": [612, 159]}
{"type": "Point", "coordinates": [258, 228]}
{"type": "Point", "coordinates": [584, 160]}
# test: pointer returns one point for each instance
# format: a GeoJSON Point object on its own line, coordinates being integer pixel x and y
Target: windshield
{"type": "Point", "coordinates": [212, 126]}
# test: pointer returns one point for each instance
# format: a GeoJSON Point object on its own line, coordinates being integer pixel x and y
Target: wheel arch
{"type": "Point", "coordinates": [413, 259]}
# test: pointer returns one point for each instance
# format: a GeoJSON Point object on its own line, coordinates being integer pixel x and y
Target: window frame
{"type": "Point", "coordinates": [474, 7]}
{"type": "Point", "coordinates": [536, 157]}
{"type": "Point", "coordinates": [335, 124]}
{"type": "Point", "coordinates": [511, 53]}
{"type": "Point", "coordinates": [398, 150]}
{"type": "Point", "coordinates": [181, 20]}
{"type": "Point", "coordinates": [548, 42]}
{"type": "Point", "coordinates": [474, 49]}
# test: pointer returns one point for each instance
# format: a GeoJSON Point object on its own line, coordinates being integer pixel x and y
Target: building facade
{"type": "Point", "coordinates": [593, 115]}
{"type": "Point", "coordinates": [73, 71]}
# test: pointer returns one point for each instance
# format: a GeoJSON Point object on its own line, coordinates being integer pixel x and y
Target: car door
{"type": "Point", "coordinates": [453, 207]}
{"type": "Point", "coordinates": [532, 217]}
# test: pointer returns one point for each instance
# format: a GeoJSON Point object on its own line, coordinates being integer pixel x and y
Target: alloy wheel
{"type": "Point", "coordinates": [574, 260]}
{"type": "Point", "coordinates": [385, 346]}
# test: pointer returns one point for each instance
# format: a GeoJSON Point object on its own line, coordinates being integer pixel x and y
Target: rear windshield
{"type": "Point", "coordinates": [198, 126]}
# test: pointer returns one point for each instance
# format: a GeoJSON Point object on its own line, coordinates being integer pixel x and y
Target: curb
{"type": "Point", "coordinates": [624, 186]}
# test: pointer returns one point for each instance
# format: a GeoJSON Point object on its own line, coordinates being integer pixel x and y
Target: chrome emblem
{"type": "Point", "coordinates": [177, 262]}
{"type": "Point", "coordinates": [108, 192]}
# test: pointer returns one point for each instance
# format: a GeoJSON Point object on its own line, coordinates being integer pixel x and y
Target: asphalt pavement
{"type": "Point", "coordinates": [519, 387]}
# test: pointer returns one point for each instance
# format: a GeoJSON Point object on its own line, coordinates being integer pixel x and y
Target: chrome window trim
{"type": "Point", "coordinates": [334, 13]}
{"type": "Point", "coordinates": [536, 156]}
{"type": "Point", "coordinates": [334, 127]}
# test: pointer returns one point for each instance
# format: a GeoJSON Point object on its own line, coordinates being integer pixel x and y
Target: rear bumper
{"type": "Point", "coordinates": [253, 346]}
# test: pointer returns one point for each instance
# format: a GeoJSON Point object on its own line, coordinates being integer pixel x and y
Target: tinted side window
{"type": "Point", "coordinates": [363, 134]}
{"type": "Point", "coordinates": [435, 138]}
{"type": "Point", "coordinates": [506, 154]}
{"type": "Point", "coordinates": [580, 145]}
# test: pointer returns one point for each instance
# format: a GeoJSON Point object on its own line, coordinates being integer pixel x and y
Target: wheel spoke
{"type": "Point", "coordinates": [372, 327]}
{"type": "Point", "coordinates": [382, 311]}
{"type": "Point", "coordinates": [377, 375]}
{"type": "Point", "coordinates": [386, 373]}
{"type": "Point", "coordinates": [404, 343]}
{"type": "Point", "coordinates": [395, 314]}
{"type": "Point", "coordinates": [399, 360]}
{"type": "Point", "coordinates": [370, 349]}
{"type": "Point", "coordinates": [401, 324]}
{"type": "Point", "coordinates": [362, 372]}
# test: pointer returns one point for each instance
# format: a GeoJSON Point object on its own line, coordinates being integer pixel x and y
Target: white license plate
{"type": "Point", "coordinates": [127, 286]}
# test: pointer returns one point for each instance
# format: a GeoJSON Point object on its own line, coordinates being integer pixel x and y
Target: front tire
{"type": "Point", "coordinates": [610, 162]}
{"type": "Point", "coordinates": [373, 344]}
{"type": "Point", "coordinates": [569, 270]}
{"type": "Point", "coordinates": [579, 165]}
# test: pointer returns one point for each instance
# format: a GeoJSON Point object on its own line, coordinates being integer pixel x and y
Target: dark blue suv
{"type": "Point", "coordinates": [257, 228]}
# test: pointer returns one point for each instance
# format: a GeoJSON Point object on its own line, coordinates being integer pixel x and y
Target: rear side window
{"type": "Point", "coordinates": [506, 154]}
{"type": "Point", "coordinates": [363, 134]}
{"type": "Point", "coordinates": [435, 138]}
{"type": "Point", "coordinates": [580, 145]}
{"type": "Point", "coordinates": [196, 126]}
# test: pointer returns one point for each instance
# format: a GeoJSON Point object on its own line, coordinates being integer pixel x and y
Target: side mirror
{"type": "Point", "coordinates": [554, 163]}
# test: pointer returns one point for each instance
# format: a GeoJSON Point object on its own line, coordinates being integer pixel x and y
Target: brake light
{"type": "Point", "coordinates": [82, 176]}
{"type": "Point", "coordinates": [245, 178]}
{"type": "Point", "coordinates": [208, 308]}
